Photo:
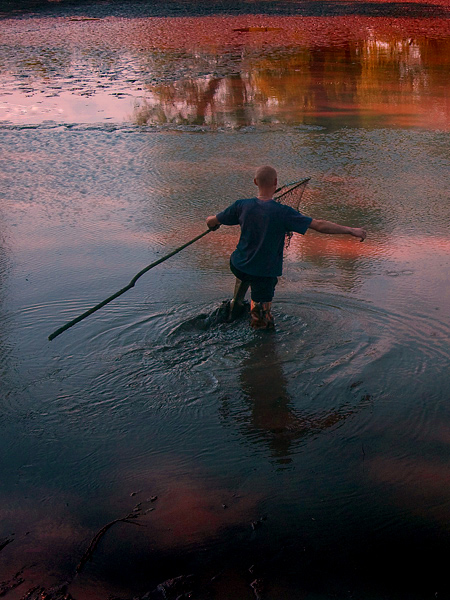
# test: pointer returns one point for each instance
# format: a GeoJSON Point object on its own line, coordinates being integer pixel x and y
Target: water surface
{"type": "Point", "coordinates": [315, 457]}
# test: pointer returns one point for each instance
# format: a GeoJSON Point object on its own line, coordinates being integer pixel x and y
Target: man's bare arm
{"type": "Point", "coordinates": [334, 228]}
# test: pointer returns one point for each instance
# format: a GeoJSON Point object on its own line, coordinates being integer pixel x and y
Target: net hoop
{"type": "Point", "coordinates": [296, 188]}
{"type": "Point", "coordinates": [289, 188]}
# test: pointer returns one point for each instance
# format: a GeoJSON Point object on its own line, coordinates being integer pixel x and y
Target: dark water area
{"type": "Point", "coordinates": [307, 463]}
{"type": "Point", "coordinates": [168, 8]}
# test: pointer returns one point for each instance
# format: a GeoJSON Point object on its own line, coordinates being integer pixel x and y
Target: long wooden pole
{"type": "Point", "coordinates": [126, 288]}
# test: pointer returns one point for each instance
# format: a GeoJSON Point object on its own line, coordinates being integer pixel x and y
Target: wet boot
{"type": "Point", "coordinates": [256, 320]}
{"type": "Point", "coordinates": [267, 315]}
{"type": "Point", "coordinates": [260, 315]}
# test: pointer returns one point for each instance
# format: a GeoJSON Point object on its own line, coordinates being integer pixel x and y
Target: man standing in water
{"type": "Point", "coordinates": [258, 258]}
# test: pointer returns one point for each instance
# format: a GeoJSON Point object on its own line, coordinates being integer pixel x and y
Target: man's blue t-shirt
{"type": "Point", "coordinates": [264, 225]}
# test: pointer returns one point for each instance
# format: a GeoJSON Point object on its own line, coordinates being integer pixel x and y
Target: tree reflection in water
{"type": "Point", "coordinates": [358, 81]}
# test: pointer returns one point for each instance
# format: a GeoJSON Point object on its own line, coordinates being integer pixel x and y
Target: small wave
{"type": "Point", "coordinates": [150, 128]}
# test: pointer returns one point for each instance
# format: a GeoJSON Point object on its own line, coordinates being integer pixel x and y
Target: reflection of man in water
{"type": "Point", "coordinates": [273, 418]}
{"type": "Point", "coordinates": [258, 258]}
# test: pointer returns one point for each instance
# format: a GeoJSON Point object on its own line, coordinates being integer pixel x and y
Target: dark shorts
{"type": "Point", "coordinates": [261, 288]}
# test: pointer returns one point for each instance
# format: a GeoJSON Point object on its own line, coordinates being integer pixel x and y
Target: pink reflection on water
{"type": "Point", "coordinates": [47, 538]}
{"type": "Point", "coordinates": [66, 107]}
{"type": "Point", "coordinates": [419, 486]}
{"type": "Point", "coordinates": [399, 248]}
{"type": "Point", "coordinates": [50, 539]}
{"type": "Point", "coordinates": [193, 511]}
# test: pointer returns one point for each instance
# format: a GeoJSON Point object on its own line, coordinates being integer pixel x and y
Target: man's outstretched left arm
{"type": "Point", "coordinates": [334, 228]}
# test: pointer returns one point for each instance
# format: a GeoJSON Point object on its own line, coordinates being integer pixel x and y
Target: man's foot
{"type": "Point", "coordinates": [256, 318]}
{"type": "Point", "coordinates": [267, 315]}
{"type": "Point", "coordinates": [261, 316]}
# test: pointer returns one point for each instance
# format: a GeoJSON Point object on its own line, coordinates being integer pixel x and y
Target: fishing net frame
{"type": "Point", "coordinates": [291, 195]}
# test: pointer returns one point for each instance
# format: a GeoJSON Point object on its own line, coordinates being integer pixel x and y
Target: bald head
{"type": "Point", "coordinates": [266, 177]}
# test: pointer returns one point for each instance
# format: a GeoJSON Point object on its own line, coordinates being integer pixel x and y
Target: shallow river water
{"type": "Point", "coordinates": [313, 459]}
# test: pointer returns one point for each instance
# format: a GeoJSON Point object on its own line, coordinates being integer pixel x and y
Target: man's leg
{"type": "Point", "coordinates": [237, 303]}
{"type": "Point", "coordinates": [262, 291]}
{"type": "Point", "coordinates": [240, 289]}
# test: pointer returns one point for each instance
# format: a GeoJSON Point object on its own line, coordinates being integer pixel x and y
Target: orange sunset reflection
{"type": "Point", "coordinates": [398, 81]}
{"type": "Point", "coordinates": [230, 71]}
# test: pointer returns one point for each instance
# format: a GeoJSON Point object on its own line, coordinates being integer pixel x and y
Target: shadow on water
{"type": "Point", "coordinates": [272, 417]}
